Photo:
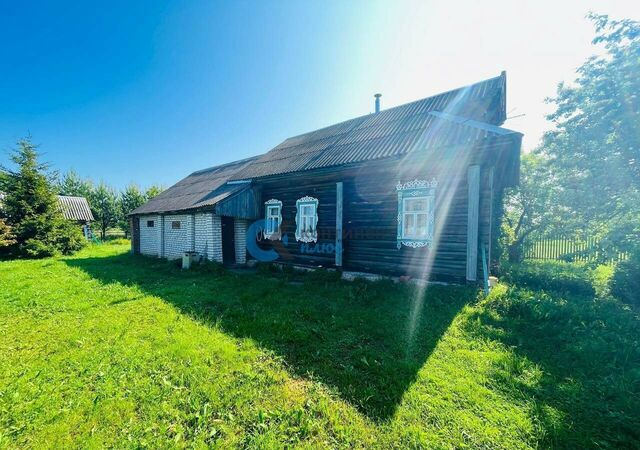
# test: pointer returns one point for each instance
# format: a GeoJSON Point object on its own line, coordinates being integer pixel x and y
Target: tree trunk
{"type": "Point", "coordinates": [515, 252]}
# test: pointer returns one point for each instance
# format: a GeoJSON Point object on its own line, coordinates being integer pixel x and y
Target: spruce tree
{"type": "Point", "coordinates": [31, 208]}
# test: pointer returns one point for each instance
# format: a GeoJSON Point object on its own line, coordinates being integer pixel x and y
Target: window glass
{"type": "Point", "coordinates": [273, 215]}
{"type": "Point", "coordinates": [272, 219]}
{"type": "Point", "coordinates": [175, 225]}
{"type": "Point", "coordinates": [421, 225]}
{"type": "Point", "coordinates": [150, 223]}
{"type": "Point", "coordinates": [416, 217]}
{"type": "Point", "coordinates": [415, 204]}
{"type": "Point", "coordinates": [307, 219]}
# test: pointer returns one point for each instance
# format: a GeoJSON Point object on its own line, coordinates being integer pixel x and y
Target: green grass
{"type": "Point", "coordinates": [107, 349]}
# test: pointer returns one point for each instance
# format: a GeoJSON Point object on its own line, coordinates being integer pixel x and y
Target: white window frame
{"type": "Point", "coordinates": [414, 214]}
{"type": "Point", "coordinates": [416, 190]}
{"type": "Point", "coordinates": [269, 207]}
{"type": "Point", "coordinates": [308, 235]}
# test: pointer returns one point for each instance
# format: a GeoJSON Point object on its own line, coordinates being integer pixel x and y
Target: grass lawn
{"type": "Point", "coordinates": [106, 349]}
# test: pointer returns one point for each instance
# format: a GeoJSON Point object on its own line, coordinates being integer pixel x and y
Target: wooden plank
{"type": "Point", "coordinates": [473, 209]}
{"type": "Point", "coordinates": [339, 223]}
{"type": "Point", "coordinates": [491, 200]}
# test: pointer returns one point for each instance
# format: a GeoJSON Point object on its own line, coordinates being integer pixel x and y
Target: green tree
{"type": "Point", "coordinates": [594, 148]}
{"type": "Point", "coordinates": [153, 191]}
{"type": "Point", "coordinates": [105, 207]}
{"type": "Point", "coordinates": [31, 209]}
{"type": "Point", "coordinates": [6, 236]}
{"type": "Point", "coordinates": [72, 184]}
{"type": "Point", "coordinates": [131, 198]}
{"type": "Point", "coordinates": [532, 207]}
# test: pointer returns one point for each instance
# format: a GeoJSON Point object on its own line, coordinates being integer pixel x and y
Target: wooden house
{"type": "Point", "coordinates": [412, 190]}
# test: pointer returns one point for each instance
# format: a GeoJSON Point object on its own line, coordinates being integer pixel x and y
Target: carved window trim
{"type": "Point", "coordinates": [307, 235]}
{"type": "Point", "coordinates": [416, 189]}
{"type": "Point", "coordinates": [270, 232]}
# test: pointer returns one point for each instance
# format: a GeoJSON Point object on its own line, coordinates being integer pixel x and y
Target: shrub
{"type": "Point", "coordinates": [625, 284]}
{"type": "Point", "coordinates": [68, 237]}
{"type": "Point", "coordinates": [36, 248]}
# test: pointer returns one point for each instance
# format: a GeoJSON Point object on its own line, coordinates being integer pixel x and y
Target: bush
{"type": "Point", "coordinates": [36, 248]}
{"type": "Point", "coordinates": [625, 284]}
{"type": "Point", "coordinates": [68, 237]}
{"type": "Point", "coordinates": [63, 237]}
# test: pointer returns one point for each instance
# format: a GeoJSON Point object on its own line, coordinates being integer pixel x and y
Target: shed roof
{"type": "Point", "coordinates": [75, 208]}
{"type": "Point", "coordinates": [200, 189]}
{"type": "Point", "coordinates": [459, 116]}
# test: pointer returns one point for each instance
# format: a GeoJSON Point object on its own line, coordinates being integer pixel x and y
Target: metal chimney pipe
{"type": "Point", "coordinates": [377, 96]}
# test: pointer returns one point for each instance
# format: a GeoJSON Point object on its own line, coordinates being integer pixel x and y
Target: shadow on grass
{"type": "Point", "coordinates": [574, 360]}
{"type": "Point", "coordinates": [352, 336]}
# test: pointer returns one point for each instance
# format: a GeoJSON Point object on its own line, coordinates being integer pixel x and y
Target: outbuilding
{"type": "Point", "coordinates": [76, 209]}
{"type": "Point", "coordinates": [412, 190]}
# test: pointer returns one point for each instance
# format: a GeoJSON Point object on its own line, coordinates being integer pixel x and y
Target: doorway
{"type": "Point", "coordinates": [135, 234]}
{"type": "Point", "coordinates": [228, 241]}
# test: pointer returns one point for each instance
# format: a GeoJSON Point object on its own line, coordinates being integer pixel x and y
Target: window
{"type": "Point", "coordinates": [175, 225]}
{"type": "Point", "coordinates": [272, 219]}
{"type": "Point", "coordinates": [307, 219]}
{"type": "Point", "coordinates": [416, 218]}
{"type": "Point", "coordinates": [415, 211]}
{"type": "Point", "coordinates": [150, 224]}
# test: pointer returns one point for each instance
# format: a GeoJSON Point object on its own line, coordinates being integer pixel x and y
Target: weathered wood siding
{"type": "Point", "coordinates": [290, 189]}
{"type": "Point", "coordinates": [371, 221]}
{"type": "Point", "coordinates": [370, 215]}
{"type": "Point", "coordinates": [243, 205]}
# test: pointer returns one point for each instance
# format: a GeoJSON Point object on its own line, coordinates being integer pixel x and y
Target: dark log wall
{"type": "Point", "coordinates": [370, 211]}
{"type": "Point", "coordinates": [370, 222]}
{"type": "Point", "coordinates": [321, 186]}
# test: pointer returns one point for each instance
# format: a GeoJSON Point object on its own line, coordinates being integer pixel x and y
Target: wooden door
{"type": "Point", "coordinates": [228, 241]}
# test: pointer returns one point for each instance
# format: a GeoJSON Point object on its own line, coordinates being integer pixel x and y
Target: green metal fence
{"type": "Point", "coordinates": [570, 249]}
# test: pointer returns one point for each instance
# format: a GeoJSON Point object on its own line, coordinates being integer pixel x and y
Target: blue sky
{"type": "Point", "coordinates": [148, 92]}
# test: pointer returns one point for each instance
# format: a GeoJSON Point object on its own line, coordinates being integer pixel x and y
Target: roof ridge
{"type": "Point", "coordinates": [222, 166]}
{"type": "Point", "coordinates": [72, 196]}
{"type": "Point", "coordinates": [472, 123]}
{"type": "Point", "coordinates": [394, 107]}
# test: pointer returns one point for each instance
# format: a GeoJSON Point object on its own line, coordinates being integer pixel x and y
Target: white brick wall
{"type": "Point", "coordinates": [240, 231]}
{"type": "Point", "coordinates": [208, 237]}
{"type": "Point", "coordinates": [178, 240]}
{"type": "Point", "coordinates": [201, 232]}
{"type": "Point", "coordinates": [150, 236]}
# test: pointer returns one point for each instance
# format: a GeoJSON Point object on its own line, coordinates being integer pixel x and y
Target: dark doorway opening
{"type": "Point", "coordinates": [228, 241]}
{"type": "Point", "coordinates": [135, 234]}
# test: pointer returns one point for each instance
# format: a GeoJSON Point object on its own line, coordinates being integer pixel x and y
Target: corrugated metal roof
{"type": "Point", "coordinates": [200, 189]}
{"type": "Point", "coordinates": [468, 114]}
{"type": "Point", "coordinates": [75, 208]}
